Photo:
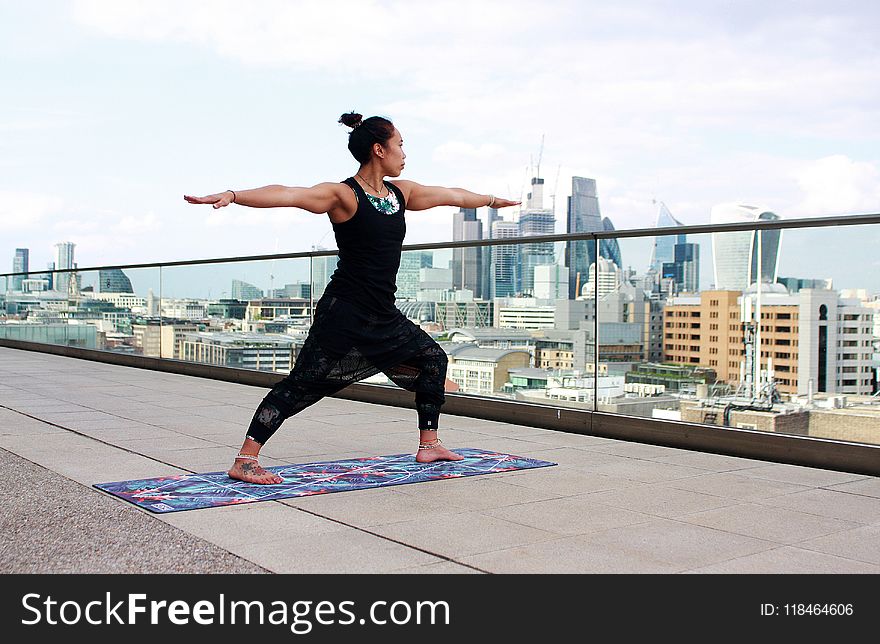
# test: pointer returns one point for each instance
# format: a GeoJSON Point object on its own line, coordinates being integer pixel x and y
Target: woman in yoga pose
{"type": "Point", "coordinates": [357, 331]}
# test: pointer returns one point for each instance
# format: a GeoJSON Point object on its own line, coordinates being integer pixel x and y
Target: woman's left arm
{"type": "Point", "coordinates": [419, 197]}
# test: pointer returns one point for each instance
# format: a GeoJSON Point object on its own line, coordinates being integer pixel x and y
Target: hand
{"type": "Point", "coordinates": [504, 203]}
{"type": "Point", "coordinates": [219, 200]}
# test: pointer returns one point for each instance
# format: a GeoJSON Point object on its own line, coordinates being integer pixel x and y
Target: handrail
{"type": "Point", "coordinates": [806, 222]}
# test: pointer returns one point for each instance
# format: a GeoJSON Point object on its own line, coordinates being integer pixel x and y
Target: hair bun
{"type": "Point", "coordinates": [351, 119]}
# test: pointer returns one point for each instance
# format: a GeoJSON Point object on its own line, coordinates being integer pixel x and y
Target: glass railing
{"type": "Point", "coordinates": [771, 326]}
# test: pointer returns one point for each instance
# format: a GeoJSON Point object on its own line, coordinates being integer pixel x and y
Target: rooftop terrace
{"type": "Point", "coordinates": [609, 506]}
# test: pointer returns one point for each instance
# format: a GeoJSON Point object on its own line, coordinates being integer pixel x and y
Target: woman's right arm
{"type": "Point", "coordinates": [321, 198]}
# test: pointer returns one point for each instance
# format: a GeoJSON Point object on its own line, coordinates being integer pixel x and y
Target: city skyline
{"type": "Point", "coordinates": [118, 108]}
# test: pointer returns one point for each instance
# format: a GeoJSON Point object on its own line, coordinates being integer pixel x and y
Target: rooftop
{"type": "Point", "coordinates": [609, 506]}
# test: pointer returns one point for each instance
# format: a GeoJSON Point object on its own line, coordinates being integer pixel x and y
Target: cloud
{"type": "Point", "coordinates": [837, 185]}
{"type": "Point", "coordinates": [363, 36]}
{"type": "Point", "coordinates": [23, 210]}
{"type": "Point", "coordinates": [456, 151]}
{"type": "Point", "coordinates": [260, 218]}
{"type": "Point", "coordinates": [138, 225]}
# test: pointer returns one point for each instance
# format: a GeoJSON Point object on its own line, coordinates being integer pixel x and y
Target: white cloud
{"type": "Point", "coordinates": [260, 217]}
{"type": "Point", "coordinates": [457, 151]}
{"type": "Point", "coordinates": [364, 36]}
{"type": "Point", "coordinates": [837, 185]}
{"type": "Point", "coordinates": [22, 210]}
{"type": "Point", "coordinates": [138, 225]}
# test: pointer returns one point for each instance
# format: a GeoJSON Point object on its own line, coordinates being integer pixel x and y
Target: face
{"type": "Point", "coordinates": [392, 156]}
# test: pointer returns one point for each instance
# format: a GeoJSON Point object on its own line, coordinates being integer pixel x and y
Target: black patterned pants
{"type": "Point", "coordinates": [319, 372]}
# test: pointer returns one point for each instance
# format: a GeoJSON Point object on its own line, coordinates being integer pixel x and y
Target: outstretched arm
{"type": "Point", "coordinates": [321, 198]}
{"type": "Point", "coordinates": [419, 197]}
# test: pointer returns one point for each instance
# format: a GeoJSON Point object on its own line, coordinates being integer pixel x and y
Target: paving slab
{"type": "Point", "coordinates": [568, 516]}
{"type": "Point", "coordinates": [798, 475]}
{"type": "Point", "coordinates": [861, 544]}
{"type": "Point", "coordinates": [461, 535]}
{"type": "Point", "coordinates": [789, 560]}
{"type": "Point", "coordinates": [830, 503]}
{"type": "Point", "coordinates": [346, 551]}
{"type": "Point", "coordinates": [661, 500]}
{"type": "Point", "coordinates": [869, 486]}
{"type": "Point", "coordinates": [768, 523]}
{"type": "Point", "coordinates": [735, 486]}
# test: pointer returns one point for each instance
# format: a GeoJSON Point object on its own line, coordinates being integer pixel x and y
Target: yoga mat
{"type": "Point", "coordinates": [194, 491]}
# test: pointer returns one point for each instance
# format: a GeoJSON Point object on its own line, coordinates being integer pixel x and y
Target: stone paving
{"type": "Point", "coordinates": [609, 506]}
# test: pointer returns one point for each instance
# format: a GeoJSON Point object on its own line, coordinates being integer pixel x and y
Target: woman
{"type": "Point", "coordinates": [357, 331]}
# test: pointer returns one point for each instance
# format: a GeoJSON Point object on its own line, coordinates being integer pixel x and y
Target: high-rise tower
{"type": "Point", "coordinates": [505, 264]}
{"type": "Point", "coordinates": [63, 260]}
{"type": "Point", "coordinates": [534, 219]}
{"type": "Point", "coordinates": [583, 217]}
{"type": "Point", "coordinates": [664, 246]}
{"type": "Point", "coordinates": [737, 261]}
{"type": "Point", "coordinates": [467, 263]}
{"type": "Point", "coordinates": [19, 265]}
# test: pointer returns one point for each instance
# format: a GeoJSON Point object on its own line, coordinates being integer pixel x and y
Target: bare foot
{"type": "Point", "coordinates": [250, 472]}
{"type": "Point", "coordinates": [437, 453]}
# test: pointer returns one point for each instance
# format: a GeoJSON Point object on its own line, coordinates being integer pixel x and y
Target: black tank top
{"type": "Point", "coordinates": [369, 253]}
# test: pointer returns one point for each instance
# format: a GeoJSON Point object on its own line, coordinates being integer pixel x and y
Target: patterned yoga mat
{"type": "Point", "coordinates": [194, 491]}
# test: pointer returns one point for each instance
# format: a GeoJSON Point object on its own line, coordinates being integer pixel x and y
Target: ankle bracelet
{"type": "Point", "coordinates": [248, 457]}
{"type": "Point", "coordinates": [436, 443]}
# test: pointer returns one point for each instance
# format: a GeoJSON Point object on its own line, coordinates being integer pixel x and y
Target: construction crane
{"type": "Point", "coordinates": [540, 156]}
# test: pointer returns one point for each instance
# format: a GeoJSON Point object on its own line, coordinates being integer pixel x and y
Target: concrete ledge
{"type": "Point", "coordinates": [778, 448]}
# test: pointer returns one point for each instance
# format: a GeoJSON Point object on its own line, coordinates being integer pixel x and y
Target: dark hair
{"type": "Point", "coordinates": [364, 134]}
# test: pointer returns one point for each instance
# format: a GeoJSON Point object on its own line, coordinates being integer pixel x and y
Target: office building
{"type": "Point", "coordinates": [812, 341]}
{"type": "Point", "coordinates": [534, 219]}
{"type": "Point", "coordinates": [737, 260]}
{"type": "Point", "coordinates": [113, 280]}
{"type": "Point", "coordinates": [297, 289]}
{"type": "Point", "coordinates": [551, 282]}
{"type": "Point", "coordinates": [664, 245]}
{"type": "Point", "coordinates": [63, 260]}
{"type": "Point", "coordinates": [684, 269]}
{"type": "Point", "coordinates": [505, 260]}
{"type": "Point", "coordinates": [583, 217]}
{"type": "Point", "coordinates": [323, 268]}
{"type": "Point", "coordinates": [609, 278]}
{"type": "Point", "coordinates": [244, 291]}
{"type": "Point", "coordinates": [20, 265]}
{"type": "Point", "coordinates": [483, 371]}
{"type": "Point", "coordinates": [467, 263]}
{"type": "Point", "coordinates": [256, 351]}
{"type": "Point", "coordinates": [411, 263]}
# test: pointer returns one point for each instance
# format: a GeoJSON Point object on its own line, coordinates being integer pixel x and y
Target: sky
{"type": "Point", "coordinates": [112, 110]}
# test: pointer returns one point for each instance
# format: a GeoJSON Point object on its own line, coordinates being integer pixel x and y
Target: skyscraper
{"type": "Point", "coordinates": [411, 262]}
{"type": "Point", "coordinates": [664, 246]}
{"type": "Point", "coordinates": [534, 219]}
{"type": "Point", "coordinates": [608, 246]}
{"type": "Point", "coordinates": [735, 254]}
{"type": "Point", "coordinates": [19, 265]}
{"type": "Point", "coordinates": [63, 260]}
{"type": "Point", "coordinates": [583, 217]}
{"type": "Point", "coordinates": [493, 216]}
{"type": "Point", "coordinates": [488, 255]}
{"type": "Point", "coordinates": [467, 263]}
{"type": "Point", "coordinates": [113, 280]}
{"type": "Point", "coordinates": [505, 265]}
{"type": "Point", "coordinates": [322, 270]}
{"type": "Point", "coordinates": [684, 269]}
